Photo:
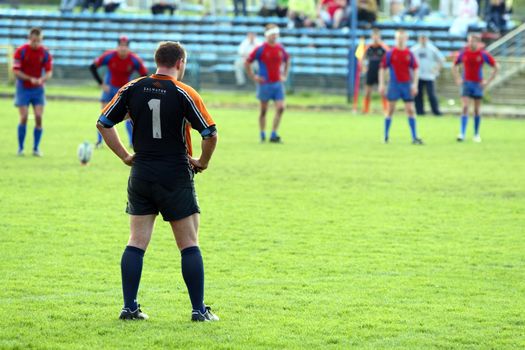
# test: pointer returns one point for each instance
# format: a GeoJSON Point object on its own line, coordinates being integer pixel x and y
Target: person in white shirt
{"type": "Point", "coordinates": [430, 61]}
{"type": "Point", "coordinates": [465, 13]}
{"type": "Point", "coordinates": [245, 48]}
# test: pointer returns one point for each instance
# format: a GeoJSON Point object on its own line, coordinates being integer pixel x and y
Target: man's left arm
{"type": "Point", "coordinates": [415, 74]}
{"type": "Point", "coordinates": [48, 68]}
{"type": "Point", "coordinates": [495, 68]}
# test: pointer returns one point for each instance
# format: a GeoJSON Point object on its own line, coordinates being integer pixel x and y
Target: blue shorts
{"type": "Point", "coordinates": [270, 91]}
{"type": "Point", "coordinates": [108, 96]}
{"type": "Point", "coordinates": [472, 89]}
{"type": "Point", "coordinates": [398, 91]}
{"type": "Point", "coordinates": [25, 97]}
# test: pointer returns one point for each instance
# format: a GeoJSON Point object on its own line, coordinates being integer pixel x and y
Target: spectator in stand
{"type": "Point", "coordinates": [367, 11]}
{"type": "Point", "coordinates": [496, 16]}
{"type": "Point", "coordinates": [272, 8]}
{"type": "Point", "coordinates": [245, 49]}
{"type": "Point", "coordinates": [301, 12]}
{"type": "Point", "coordinates": [67, 6]}
{"type": "Point", "coordinates": [111, 6]}
{"type": "Point", "coordinates": [96, 4]}
{"type": "Point", "coordinates": [214, 7]}
{"type": "Point", "coordinates": [446, 8]}
{"type": "Point", "coordinates": [396, 8]}
{"type": "Point", "coordinates": [430, 60]}
{"type": "Point", "coordinates": [417, 9]}
{"type": "Point", "coordinates": [466, 13]}
{"type": "Point", "coordinates": [159, 7]}
{"type": "Point", "coordinates": [239, 7]}
{"type": "Point", "coordinates": [331, 13]}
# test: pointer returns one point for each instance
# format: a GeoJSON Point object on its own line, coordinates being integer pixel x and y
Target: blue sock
{"type": "Point", "coordinates": [99, 138]}
{"type": "Point", "coordinates": [193, 274]}
{"type": "Point", "coordinates": [464, 122]}
{"type": "Point", "coordinates": [477, 121]}
{"type": "Point", "coordinates": [37, 133]}
{"type": "Point", "coordinates": [21, 135]}
{"type": "Point", "coordinates": [131, 269]}
{"type": "Point", "coordinates": [388, 122]}
{"type": "Point", "coordinates": [412, 124]}
{"type": "Point", "coordinates": [129, 129]}
{"type": "Point", "coordinates": [263, 135]}
{"type": "Point", "coordinates": [274, 134]}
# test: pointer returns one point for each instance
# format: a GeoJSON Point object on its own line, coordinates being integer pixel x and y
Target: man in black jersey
{"type": "Point", "coordinates": [163, 111]}
{"type": "Point", "coordinates": [374, 53]}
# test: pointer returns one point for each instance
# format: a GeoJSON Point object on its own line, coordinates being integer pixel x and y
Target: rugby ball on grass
{"type": "Point", "coordinates": [85, 151]}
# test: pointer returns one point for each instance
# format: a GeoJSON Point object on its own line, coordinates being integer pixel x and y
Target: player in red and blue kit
{"type": "Point", "coordinates": [472, 58]}
{"type": "Point", "coordinates": [121, 63]}
{"type": "Point", "coordinates": [30, 60]}
{"type": "Point", "coordinates": [403, 69]}
{"type": "Point", "coordinates": [271, 57]}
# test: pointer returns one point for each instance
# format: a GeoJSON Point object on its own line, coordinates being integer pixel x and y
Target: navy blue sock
{"type": "Point", "coordinates": [21, 135]}
{"type": "Point", "coordinates": [388, 122]}
{"type": "Point", "coordinates": [129, 129]}
{"type": "Point", "coordinates": [263, 135]}
{"type": "Point", "coordinates": [463, 129]}
{"type": "Point", "coordinates": [274, 134]}
{"type": "Point", "coordinates": [477, 122]}
{"type": "Point", "coordinates": [193, 274]}
{"type": "Point", "coordinates": [99, 137]}
{"type": "Point", "coordinates": [131, 269]}
{"type": "Point", "coordinates": [412, 124]}
{"type": "Point", "coordinates": [37, 133]}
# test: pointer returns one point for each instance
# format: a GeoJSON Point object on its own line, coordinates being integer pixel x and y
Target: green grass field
{"type": "Point", "coordinates": [331, 240]}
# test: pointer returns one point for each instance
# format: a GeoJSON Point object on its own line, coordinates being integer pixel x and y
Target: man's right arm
{"type": "Point", "coordinates": [207, 148]}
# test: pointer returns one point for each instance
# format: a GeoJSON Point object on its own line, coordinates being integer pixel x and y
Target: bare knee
{"type": "Point", "coordinates": [38, 121]}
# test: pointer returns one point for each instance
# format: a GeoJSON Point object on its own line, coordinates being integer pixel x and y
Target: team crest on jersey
{"type": "Point", "coordinates": [157, 84]}
{"type": "Point", "coordinates": [478, 59]}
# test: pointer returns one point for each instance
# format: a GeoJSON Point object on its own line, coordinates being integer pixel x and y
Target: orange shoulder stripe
{"type": "Point", "coordinates": [196, 101]}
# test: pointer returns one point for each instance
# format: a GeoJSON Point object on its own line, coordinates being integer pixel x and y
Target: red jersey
{"type": "Point", "coordinates": [331, 6]}
{"type": "Point", "coordinates": [270, 58]}
{"type": "Point", "coordinates": [31, 62]}
{"type": "Point", "coordinates": [120, 69]}
{"type": "Point", "coordinates": [400, 63]}
{"type": "Point", "coordinates": [473, 63]}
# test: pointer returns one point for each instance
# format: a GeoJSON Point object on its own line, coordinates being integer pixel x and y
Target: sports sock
{"type": "Point", "coordinates": [263, 135]}
{"type": "Point", "coordinates": [412, 124]}
{"type": "Point", "coordinates": [21, 135]}
{"type": "Point", "coordinates": [193, 274]}
{"type": "Point", "coordinates": [366, 105]}
{"type": "Point", "coordinates": [477, 122]}
{"type": "Point", "coordinates": [131, 269]}
{"type": "Point", "coordinates": [37, 134]}
{"type": "Point", "coordinates": [129, 129]}
{"type": "Point", "coordinates": [99, 137]}
{"type": "Point", "coordinates": [464, 122]}
{"type": "Point", "coordinates": [388, 122]}
{"type": "Point", "coordinates": [274, 134]}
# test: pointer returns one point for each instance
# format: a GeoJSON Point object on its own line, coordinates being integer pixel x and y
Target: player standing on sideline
{"type": "Point", "coordinates": [163, 111]}
{"type": "Point", "coordinates": [270, 56]}
{"type": "Point", "coordinates": [374, 53]}
{"type": "Point", "coordinates": [472, 58]}
{"type": "Point", "coordinates": [402, 84]}
{"type": "Point", "coordinates": [29, 61]}
{"type": "Point", "coordinates": [121, 63]}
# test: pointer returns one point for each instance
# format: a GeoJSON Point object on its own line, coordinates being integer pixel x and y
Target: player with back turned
{"type": "Point", "coordinates": [121, 63]}
{"type": "Point", "coordinates": [163, 111]}
{"type": "Point", "coordinates": [472, 58]}
{"type": "Point", "coordinates": [373, 56]}
{"type": "Point", "coordinates": [30, 60]}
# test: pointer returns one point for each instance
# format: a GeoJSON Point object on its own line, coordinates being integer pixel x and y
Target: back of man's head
{"type": "Point", "coordinates": [168, 53]}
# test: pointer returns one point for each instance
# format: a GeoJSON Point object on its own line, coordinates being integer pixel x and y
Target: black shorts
{"type": "Point", "coordinates": [372, 77]}
{"type": "Point", "coordinates": [175, 201]}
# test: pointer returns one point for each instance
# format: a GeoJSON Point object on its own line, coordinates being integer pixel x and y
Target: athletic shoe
{"type": "Point", "coordinates": [460, 138]}
{"type": "Point", "coordinates": [385, 141]}
{"type": "Point", "coordinates": [37, 153]}
{"type": "Point", "coordinates": [207, 316]}
{"type": "Point", "coordinates": [20, 153]}
{"type": "Point", "coordinates": [127, 314]}
{"type": "Point", "coordinates": [477, 138]}
{"type": "Point", "coordinates": [417, 141]}
{"type": "Point", "coordinates": [276, 139]}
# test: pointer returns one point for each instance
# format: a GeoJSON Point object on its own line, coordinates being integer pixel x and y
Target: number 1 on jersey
{"type": "Point", "coordinates": [154, 105]}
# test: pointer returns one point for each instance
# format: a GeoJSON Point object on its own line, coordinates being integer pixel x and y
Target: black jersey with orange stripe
{"type": "Point", "coordinates": [163, 111]}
